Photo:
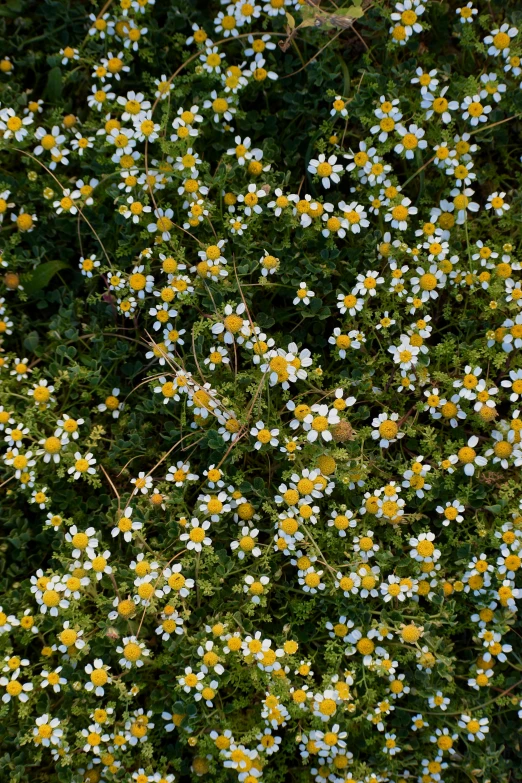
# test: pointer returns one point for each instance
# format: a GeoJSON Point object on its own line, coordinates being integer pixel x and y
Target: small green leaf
{"type": "Point", "coordinates": [12, 8]}
{"type": "Point", "coordinates": [31, 341]}
{"type": "Point", "coordinates": [310, 22]}
{"type": "Point", "coordinates": [54, 85]}
{"type": "Point", "coordinates": [354, 12]}
{"type": "Point", "coordinates": [42, 275]}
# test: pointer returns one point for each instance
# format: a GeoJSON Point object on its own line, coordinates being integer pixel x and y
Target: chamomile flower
{"type": "Point", "coordinates": [439, 701]}
{"type": "Point", "coordinates": [126, 525]}
{"type": "Point", "coordinates": [468, 456]}
{"type": "Point", "coordinates": [196, 537]}
{"type": "Point", "coordinates": [163, 224]}
{"type": "Point", "coordinates": [339, 107]}
{"type": "Point", "coordinates": [466, 13]}
{"type": "Point", "coordinates": [412, 139]}
{"type": "Point", "coordinates": [99, 676]}
{"type": "Point", "coordinates": [451, 512]}
{"type": "Point", "coordinates": [499, 40]}
{"type": "Point", "coordinates": [217, 357]}
{"type": "Point", "coordinates": [439, 106]}
{"type": "Point", "coordinates": [132, 651]}
{"type": "Point", "coordinates": [98, 562]}
{"type": "Point", "coordinates": [327, 169]}
{"type": "Point", "coordinates": [423, 549]}
{"type": "Point", "coordinates": [405, 354]}
{"type": "Point", "coordinates": [14, 126]}
{"type": "Point", "coordinates": [349, 303]}
{"type": "Point", "coordinates": [142, 483]}
{"type": "Point", "coordinates": [476, 728]}
{"type": "Point", "coordinates": [264, 436]}
{"type": "Point", "coordinates": [47, 731]}
{"type": "Point", "coordinates": [386, 429]}
{"type": "Point", "coordinates": [82, 466]}
{"type": "Point", "coordinates": [318, 422]}
{"type": "Point", "coordinates": [303, 295]}
{"type": "Point", "coordinates": [355, 216]}
{"type": "Point", "coordinates": [400, 213]}
{"type": "Point", "coordinates": [255, 587]}
{"type": "Point", "coordinates": [474, 111]}
{"type": "Point", "coordinates": [497, 204]}
{"type": "Point", "coordinates": [223, 108]}
{"type": "Point", "coordinates": [176, 581]}
{"type": "Point", "coordinates": [367, 283]}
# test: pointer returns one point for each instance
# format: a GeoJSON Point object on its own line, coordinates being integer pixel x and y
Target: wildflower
{"type": "Point", "coordinates": [14, 126]}
{"type": "Point", "coordinates": [126, 525]}
{"type": "Point", "coordinates": [191, 680]}
{"type": "Point", "coordinates": [474, 110]}
{"type": "Point", "coordinates": [439, 105]}
{"type": "Point", "coordinates": [387, 429]}
{"type": "Point", "coordinates": [367, 283]}
{"type": "Point", "coordinates": [87, 265]}
{"type": "Point", "coordinates": [264, 436]}
{"type": "Point", "coordinates": [170, 623]}
{"type": "Point", "coordinates": [318, 421]}
{"type": "Point", "coordinates": [466, 13]}
{"type": "Point", "coordinates": [222, 107]}
{"type": "Point", "coordinates": [251, 200]}
{"type": "Point", "coordinates": [47, 731]}
{"type": "Point", "coordinates": [327, 169]}
{"type": "Point", "coordinates": [405, 16]}
{"type": "Point", "coordinates": [468, 456]}
{"type": "Point", "coordinates": [83, 465]}
{"type": "Point", "coordinates": [53, 679]}
{"type": "Point", "coordinates": [423, 550]}
{"type": "Point", "coordinates": [233, 327]}
{"type": "Point", "coordinates": [196, 538]}
{"type": "Point", "coordinates": [339, 107]}
{"type": "Point", "coordinates": [303, 295]}
{"type": "Point", "coordinates": [452, 512]}
{"type": "Point", "coordinates": [439, 701]}
{"type": "Point", "coordinates": [98, 562]}
{"type": "Point", "coordinates": [143, 483]}
{"type": "Point", "coordinates": [15, 689]}
{"type": "Point", "coordinates": [163, 224]}
{"type": "Point", "coordinates": [135, 210]}
{"type": "Point", "coordinates": [499, 40]}
{"type": "Point", "coordinates": [399, 214]}
{"type": "Point", "coordinates": [132, 652]}
{"type": "Point", "coordinates": [98, 676]}
{"type": "Point", "coordinates": [476, 728]}
{"type": "Point", "coordinates": [496, 203]}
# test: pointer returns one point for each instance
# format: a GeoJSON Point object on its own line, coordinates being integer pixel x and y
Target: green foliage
{"type": "Point", "coordinates": [260, 383]}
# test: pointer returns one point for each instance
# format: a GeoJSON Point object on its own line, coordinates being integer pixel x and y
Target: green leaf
{"type": "Point", "coordinates": [12, 8]}
{"type": "Point", "coordinates": [310, 22]}
{"type": "Point", "coordinates": [346, 85]}
{"type": "Point", "coordinates": [31, 341]}
{"type": "Point", "coordinates": [54, 85]}
{"type": "Point", "coordinates": [354, 11]}
{"type": "Point", "coordinates": [42, 276]}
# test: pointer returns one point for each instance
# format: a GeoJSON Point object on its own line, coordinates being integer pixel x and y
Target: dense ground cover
{"type": "Point", "coordinates": [260, 391]}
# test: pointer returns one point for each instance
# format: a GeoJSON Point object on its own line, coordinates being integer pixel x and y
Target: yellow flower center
{"type": "Point", "coordinates": [324, 169]}
{"type": "Point", "coordinates": [132, 651]}
{"type": "Point", "coordinates": [501, 41]}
